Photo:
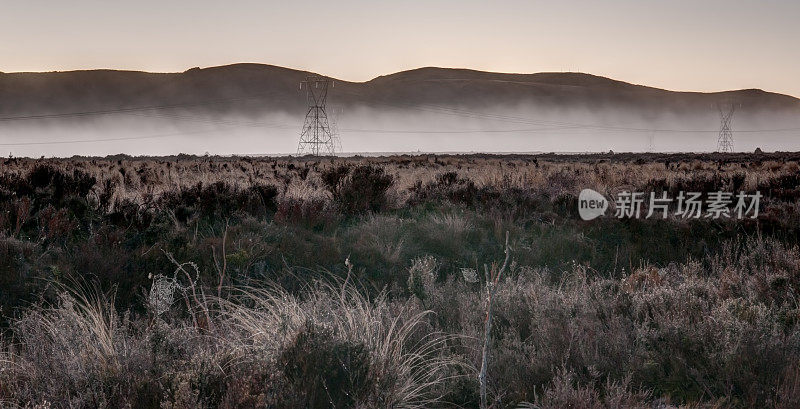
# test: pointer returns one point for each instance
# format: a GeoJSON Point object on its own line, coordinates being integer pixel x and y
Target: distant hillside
{"type": "Point", "coordinates": [256, 88]}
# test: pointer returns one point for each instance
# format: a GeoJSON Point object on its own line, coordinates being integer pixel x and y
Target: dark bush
{"type": "Point", "coordinates": [17, 280]}
{"type": "Point", "coordinates": [46, 180]}
{"type": "Point", "coordinates": [333, 177]}
{"type": "Point", "coordinates": [261, 199]}
{"type": "Point", "coordinates": [448, 186]}
{"type": "Point", "coordinates": [312, 213]}
{"type": "Point", "coordinates": [22, 200]}
{"type": "Point", "coordinates": [219, 200]}
{"type": "Point", "coordinates": [363, 190]}
{"type": "Point", "coordinates": [326, 372]}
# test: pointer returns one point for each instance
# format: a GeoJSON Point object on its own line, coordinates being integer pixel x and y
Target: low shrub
{"type": "Point", "coordinates": [360, 190]}
{"type": "Point", "coordinates": [325, 372]}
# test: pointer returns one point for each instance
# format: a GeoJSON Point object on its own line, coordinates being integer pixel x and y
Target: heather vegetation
{"type": "Point", "coordinates": [184, 282]}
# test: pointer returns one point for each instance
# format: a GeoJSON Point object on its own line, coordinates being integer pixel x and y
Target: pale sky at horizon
{"type": "Point", "coordinates": [682, 45]}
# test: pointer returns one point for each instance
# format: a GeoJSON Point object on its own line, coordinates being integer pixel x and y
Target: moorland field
{"type": "Point", "coordinates": [185, 282]}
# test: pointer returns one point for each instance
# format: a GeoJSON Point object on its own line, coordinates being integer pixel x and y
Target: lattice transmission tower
{"type": "Point", "coordinates": [317, 137]}
{"type": "Point", "coordinates": [725, 139]}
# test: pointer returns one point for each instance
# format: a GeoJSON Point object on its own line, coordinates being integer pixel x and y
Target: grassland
{"type": "Point", "coordinates": [189, 281]}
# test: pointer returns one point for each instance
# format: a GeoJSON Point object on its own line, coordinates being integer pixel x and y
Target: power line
{"type": "Point", "coordinates": [128, 138]}
{"type": "Point", "coordinates": [561, 124]}
{"type": "Point", "coordinates": [452, 131]}
{"type": "Point", "coordinates": [127, 110]}
{"type": "Point", "coordinates": [352, 130]}
{"type": "Point", "coordinates": [576, 125]}
{"type": "Point", "coordinates": [422, 107]}
{"type": "Point", "coordinates": [544, 125]}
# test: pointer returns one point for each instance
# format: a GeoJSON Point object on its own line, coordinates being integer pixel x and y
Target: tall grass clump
{"type": "Point", "coordinates": [66, 351]}
{"type": "Point", "coordinates": [389, 347]}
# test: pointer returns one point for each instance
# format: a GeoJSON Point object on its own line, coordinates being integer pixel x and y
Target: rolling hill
{"type": "Point", "coordinates": [253, 89]}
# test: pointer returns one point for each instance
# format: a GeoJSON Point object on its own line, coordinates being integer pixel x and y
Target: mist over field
{"type": "Point", "coordinates": [526, 128]}
{"type": "Point", "coordinates": [259, 109]}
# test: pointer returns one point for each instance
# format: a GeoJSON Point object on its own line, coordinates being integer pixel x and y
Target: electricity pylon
{"type": "Point", "coordinates": [725, 139]}
{"type": "Point", "coordinates": [316, 138]}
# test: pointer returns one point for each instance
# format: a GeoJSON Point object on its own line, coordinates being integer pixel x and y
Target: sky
{"type": "Point", "coordinates": [695, 45]}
